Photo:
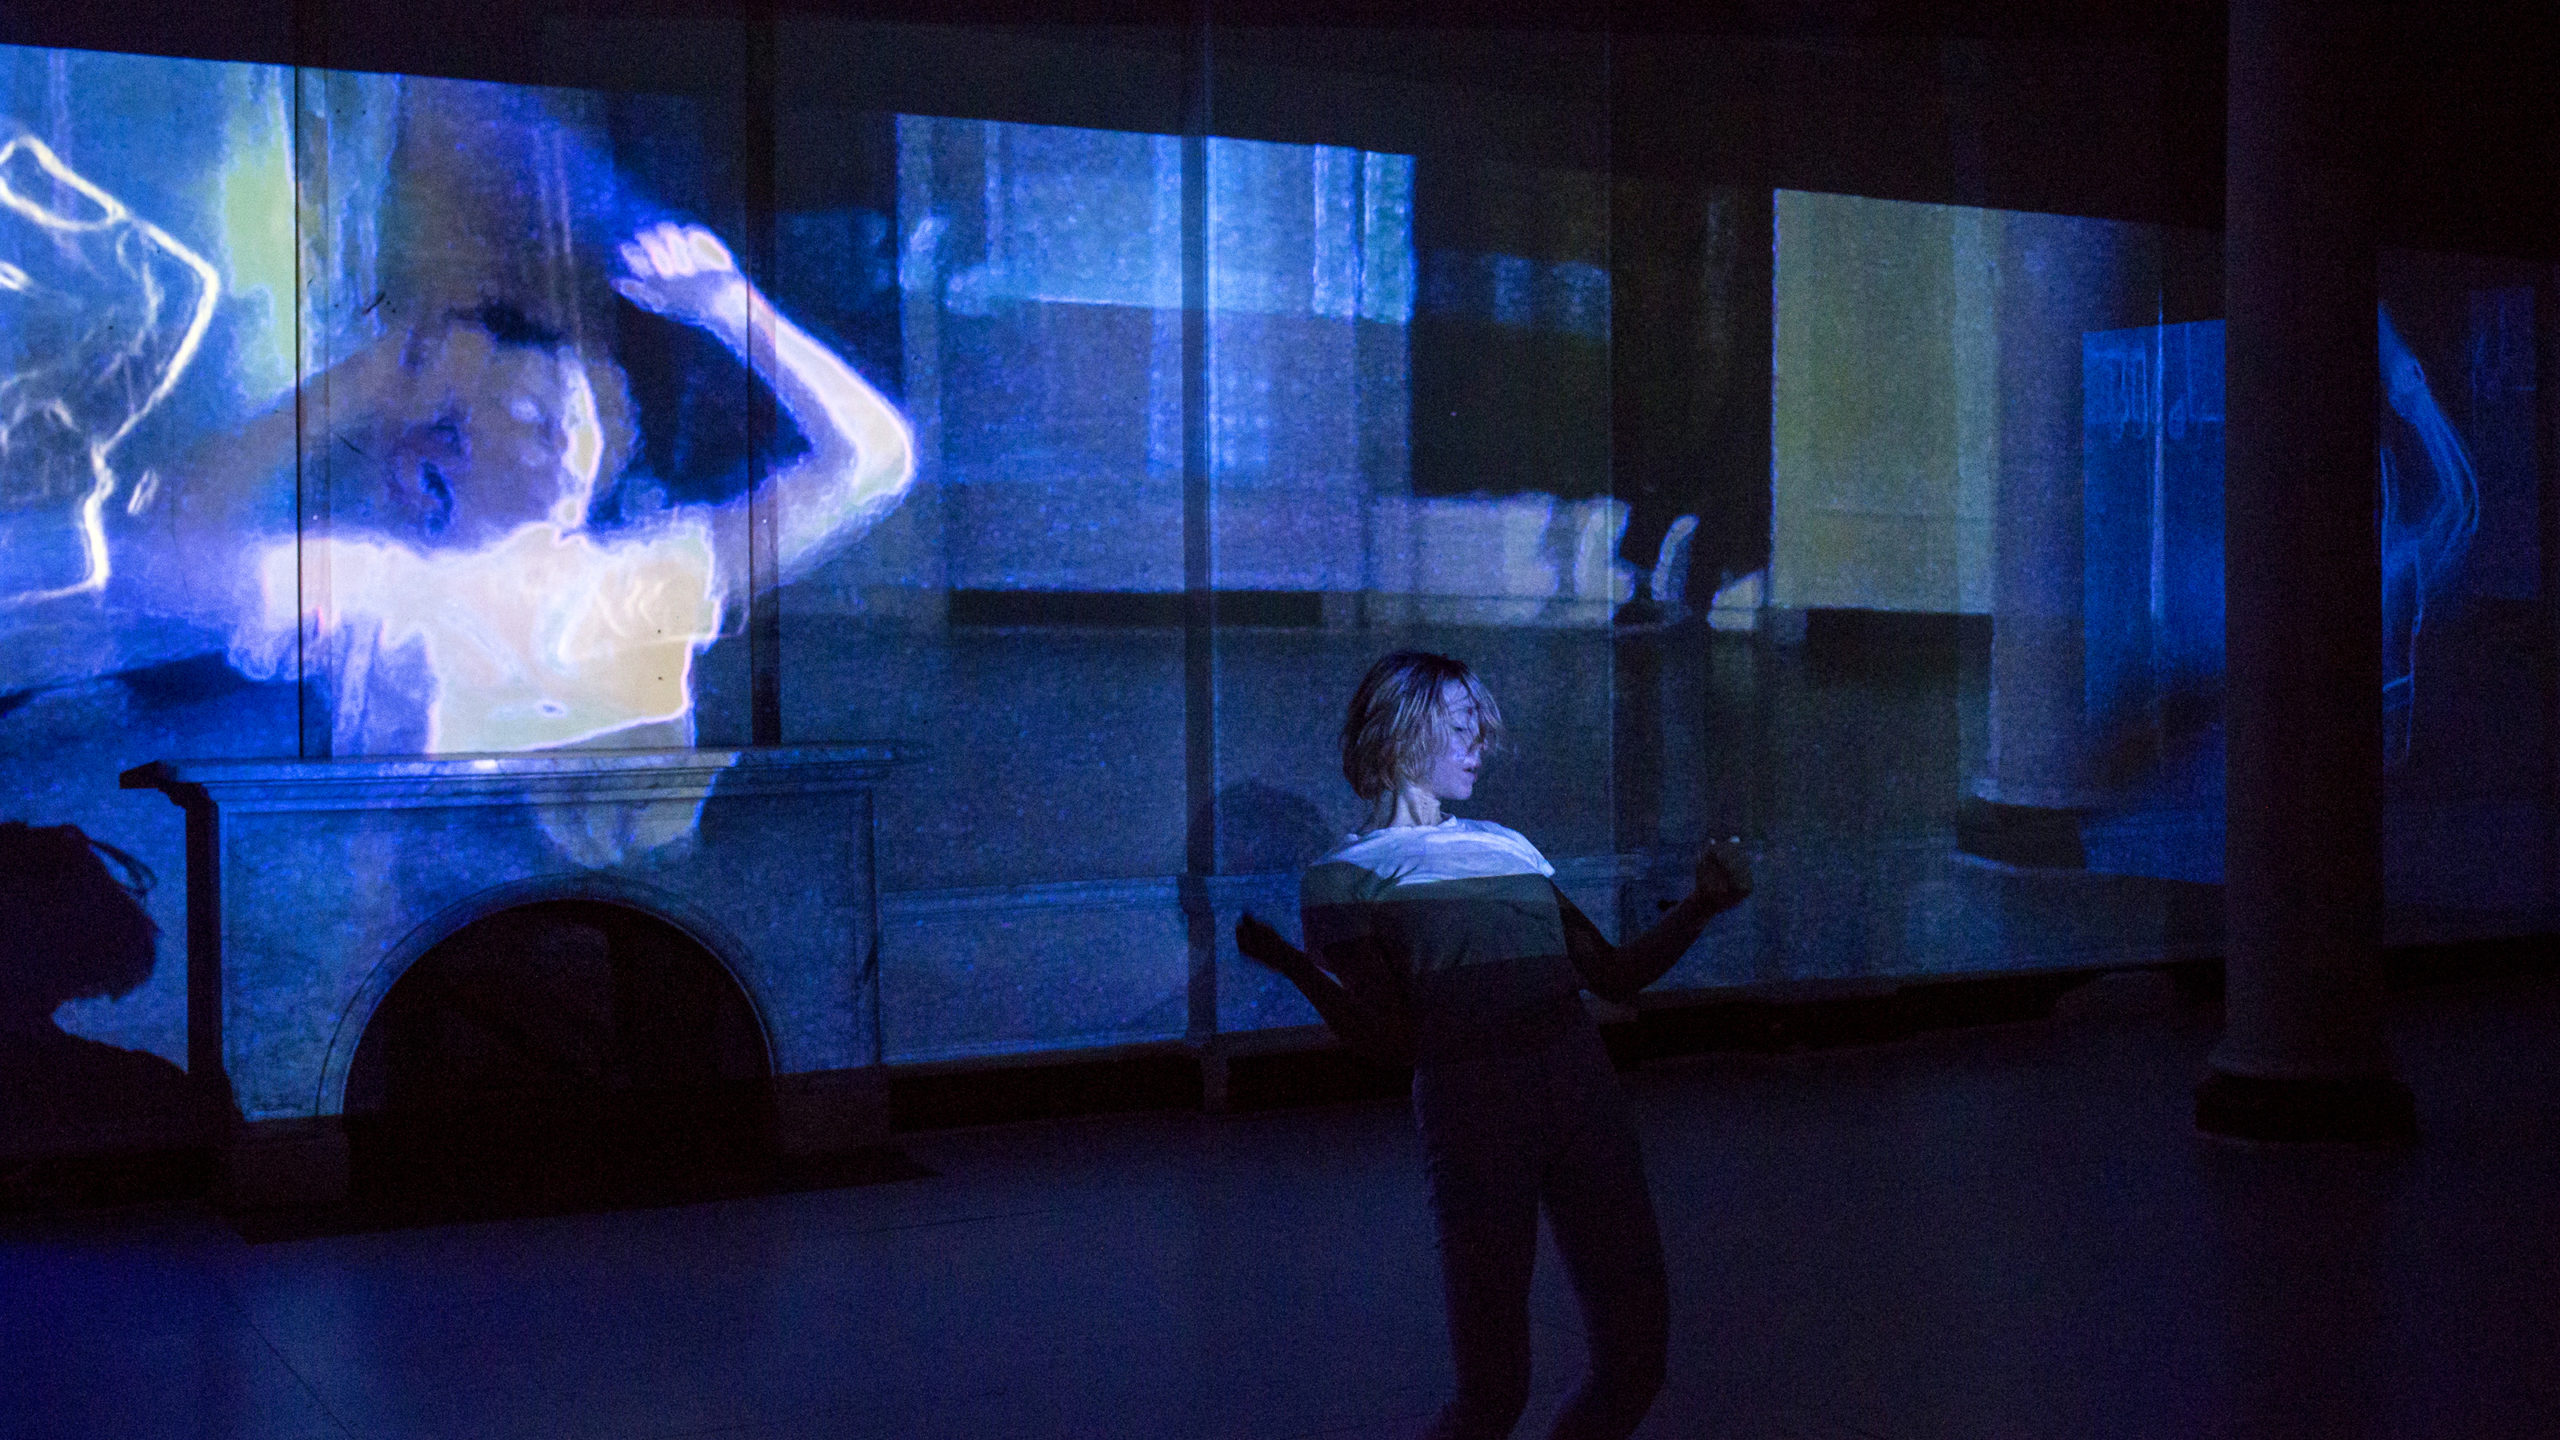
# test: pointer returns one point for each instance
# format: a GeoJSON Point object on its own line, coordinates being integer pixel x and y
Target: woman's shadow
{"type": "Point", "coordinates": [72, 927]}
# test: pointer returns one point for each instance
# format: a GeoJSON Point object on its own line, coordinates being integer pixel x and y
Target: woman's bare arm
{"type": "Point", "coordinates": [1376, 1026]}
{"type": "Point", "coordinates": [1617, 972]}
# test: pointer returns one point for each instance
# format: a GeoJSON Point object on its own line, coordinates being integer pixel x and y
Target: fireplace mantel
{"type": "Point", "coordinates": [312, 885]}
{"type": "Point", "coordinates": [572, 776]}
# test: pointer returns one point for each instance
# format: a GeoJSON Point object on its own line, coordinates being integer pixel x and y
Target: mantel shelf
{"type": "Point", "coordinates": [583, 776]}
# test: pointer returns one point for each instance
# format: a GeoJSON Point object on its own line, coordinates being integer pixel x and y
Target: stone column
{"type": "Point", "coordinates": [2303, 1056]}
{"type": "Point", "coordinates": [2059, 277]}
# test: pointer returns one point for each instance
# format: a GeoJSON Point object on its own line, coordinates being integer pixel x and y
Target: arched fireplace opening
{"type": "Point", "coordinates": [558, 1054]}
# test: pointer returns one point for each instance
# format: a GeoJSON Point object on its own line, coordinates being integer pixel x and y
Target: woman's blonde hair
{"type": "Point", "coordinates": [1400, 711]}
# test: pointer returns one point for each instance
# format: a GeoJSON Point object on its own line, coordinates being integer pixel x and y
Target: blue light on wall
{"type": "Point", "coordinates": [2153, 423]}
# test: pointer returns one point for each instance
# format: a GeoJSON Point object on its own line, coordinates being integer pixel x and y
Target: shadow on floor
{"type": "Point", "coordinates": [529, 1160]}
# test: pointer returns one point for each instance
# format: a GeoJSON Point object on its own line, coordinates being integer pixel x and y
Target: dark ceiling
{"type": "Point", "coordinates": [2098, 108]}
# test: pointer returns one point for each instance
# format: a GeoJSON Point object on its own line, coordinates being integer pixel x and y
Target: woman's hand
{"type": "Point", "coordinates": [1724, 873]}
{"type": "Point", "coordinates": [684, 273]}
{"type": "Point", "coordinates": [1267, 947]}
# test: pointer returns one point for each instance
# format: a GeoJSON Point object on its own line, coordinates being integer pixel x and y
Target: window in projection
{"type": "Point", "coordinates": [1922, 465]}
{"type": "Point", "coordinates": [2151, 467]}
{"type": "Point", "coordinates": [1996, 500]}
{"type": "Point", "coordinates": [1043, 270]}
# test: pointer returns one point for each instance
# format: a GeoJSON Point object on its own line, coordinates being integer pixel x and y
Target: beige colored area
{"type": "Point", "coordinates": [546, 639]}
{"type": "Point", "coordinates": [543, 639]}
{"type": "Point", "coordinates": [1885, 397]}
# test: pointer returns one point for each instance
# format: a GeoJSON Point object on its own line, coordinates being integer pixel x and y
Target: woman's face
{"type": "Point", "coordinates": [493, 438]}
{"type": "Point", "coordinates": [1449, 770]}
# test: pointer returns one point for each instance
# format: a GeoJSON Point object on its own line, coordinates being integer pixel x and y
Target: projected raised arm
{"type": "Point", "coordinates": [860, 458]}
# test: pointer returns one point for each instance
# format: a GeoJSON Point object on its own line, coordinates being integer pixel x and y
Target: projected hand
{"type": "Point", "coordinates": [1267, 947]}
{"type": "Point", "coordinates": [684, 273]}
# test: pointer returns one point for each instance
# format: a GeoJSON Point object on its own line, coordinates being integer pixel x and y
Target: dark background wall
{"type": "Point", "coordinates": [2111, 109]}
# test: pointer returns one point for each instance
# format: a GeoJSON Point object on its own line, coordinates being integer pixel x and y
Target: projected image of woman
{"type": "Point", "coordinates": [1444, 943]}
{"type": "Point", "coordinates": [455, 601]}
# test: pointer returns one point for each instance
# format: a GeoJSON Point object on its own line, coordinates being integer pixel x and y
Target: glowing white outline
{"type": "Point", "coordinates": [2429, 550]}
{"type": "Point", "coordinates": [93, 536]}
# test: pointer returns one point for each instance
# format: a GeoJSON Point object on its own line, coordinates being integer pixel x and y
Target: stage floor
{"type": "Point", "coordinates": [2004, 1231]}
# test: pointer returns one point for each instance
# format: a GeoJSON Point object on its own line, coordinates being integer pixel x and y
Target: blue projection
{"type": "Point", "coordinates": [473, 611]}
{"type": "Point", "coordinates": [104, 311]}
{"type": "Point", "coordinates": [406, 528]}
{"type": "Point", "coordinates": [2153, 453]}
{"type": "Point", "coordinates": [323, 378]}
{"type": "Point", "coordinates": [2499, 424]}
{"type": "Point", "coordinates": [2152, 457]}
{"type": "Point", "coordinates": [350, 417]}
{"type": "Point", "coordinates": [2429, 514]}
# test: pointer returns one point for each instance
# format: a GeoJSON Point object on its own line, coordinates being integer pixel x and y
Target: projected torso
{"type": "Point", "coordinates": [544, 638]}
{"type": "Point", "coordinates": [455, 603]}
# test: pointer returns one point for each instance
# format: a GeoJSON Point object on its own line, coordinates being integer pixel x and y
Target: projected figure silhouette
{"type": "Point", "coordinates": [2429, 516]}
{"type": "Point", "coordinates": [457, 603]}
{"type": "Point", "coordinates": [101, 312]}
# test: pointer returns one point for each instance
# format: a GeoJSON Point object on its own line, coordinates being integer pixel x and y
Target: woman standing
{"type": "Point", "coordinates": [1444, 943]}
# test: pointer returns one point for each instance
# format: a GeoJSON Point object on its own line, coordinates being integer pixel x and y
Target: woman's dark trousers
{"type": "Point", "coordinates": [1503, 1134]}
